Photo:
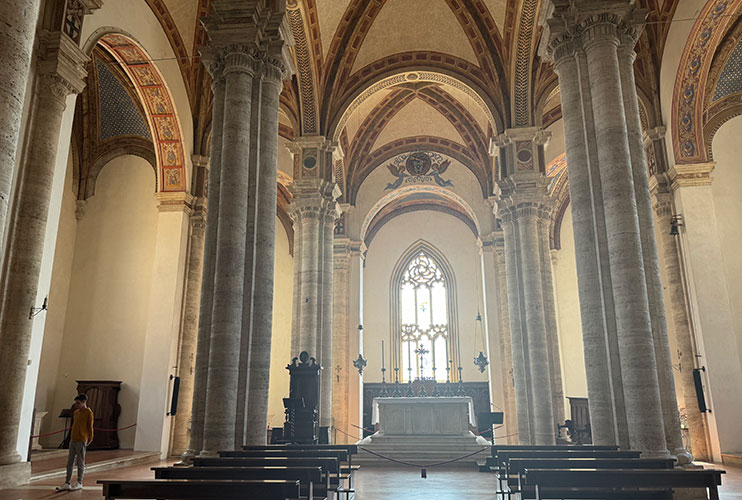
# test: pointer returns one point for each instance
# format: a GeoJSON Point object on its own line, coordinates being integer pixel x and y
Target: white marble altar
{"type": "Point", "coordinates": [422, 430]}
{"type": "Point", "coordinates": [423, 416]}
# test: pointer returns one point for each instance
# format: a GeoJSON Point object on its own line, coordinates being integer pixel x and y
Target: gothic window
{"type": "Point", "coordinates": [424, 319]}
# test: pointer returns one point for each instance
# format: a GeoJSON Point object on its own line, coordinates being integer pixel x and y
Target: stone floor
{"type": "Point", "coordinates": [372, 483]}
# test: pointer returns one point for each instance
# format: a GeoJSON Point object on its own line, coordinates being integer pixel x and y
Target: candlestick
{"type": "Point", "coordinates": [394, 348]}
{"type": "Point", "coordinates": [382, 354]}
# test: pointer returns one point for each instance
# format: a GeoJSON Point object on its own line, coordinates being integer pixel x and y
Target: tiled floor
{"type": "Point", "coordinates": [371, 483]}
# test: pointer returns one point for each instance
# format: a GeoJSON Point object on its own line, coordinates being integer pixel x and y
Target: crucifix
{"type": "Point", "coordinates": [421, 352]}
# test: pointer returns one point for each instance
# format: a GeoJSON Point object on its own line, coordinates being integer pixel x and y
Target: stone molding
{"type": "Point", "coordinates": [314, 199]}
{"type": "Point", "coordinates": [690, 175]}
{"type": "Point", "coordinates": [175, 202]}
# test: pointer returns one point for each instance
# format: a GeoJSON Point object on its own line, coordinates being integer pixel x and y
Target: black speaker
{"type": "Point", "coordinates": [699, 389]}
{"type": "Point", "coordinates": [174, 399]}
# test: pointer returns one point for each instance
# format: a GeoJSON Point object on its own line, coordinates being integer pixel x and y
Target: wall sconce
{"type": "Point", "coordinates": [36, 310]}
{"type": "Point", "coordinates": [675, 223]}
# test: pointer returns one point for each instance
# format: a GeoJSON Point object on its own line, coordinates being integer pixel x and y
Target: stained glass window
{"type": "Point", "coordinates": [424, 317]}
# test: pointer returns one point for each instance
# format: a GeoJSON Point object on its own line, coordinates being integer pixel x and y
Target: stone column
{"type": "Point", "coordinates": [60, 73]}
{"type": "Point", "coordinates": [18, 18]}
{"type": "Point", "coordinates": [505, 339]}
{"type": "Point", "coordinates": [229, 274]}
{"type": "Point", "coordinates": [341, 331]}
{"type": "Point", "coordinates": [596, 302]}
{"type": "Point", "coordinates": [583, 38]}
{"type": "Point", "coordinates": [196, 438]}
{"type": "Point", "coordinates": [640, 171]}
{"type": "Point", "coordinates": [314, 210]}
{"type": "Point", "coordinates": [523, 201]}
{"type": "Point", "coordinates": [552, 332]}
{"type": "Point", "coordinates": [189, 332]}
{"type": "Point", "coordinates": [676, 293]}
{"type": "Point", "coordinates": [265, 243]}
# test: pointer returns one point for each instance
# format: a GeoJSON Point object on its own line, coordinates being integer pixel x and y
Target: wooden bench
{"type": "Point", "coordinates": [331, 466]}
{"type": "Point", "coordinates": [500, 460]}
{"type": "Point", "coordinates": [514, 468]}
{"type": "Point", "coordinates": [621, 483]}
{"type": "Point", "coordinates": [496, 460]}
{"type": "Point", "coordinates": [175, 489]}
{"type": "Point", "coordinates": [341, 453]}
{"type": "Point", "coordinates": [312, 480]}
{"type": "Point", "coordinates": [486, 465]}
{"type": "Point", "coordinates": [350, 448]}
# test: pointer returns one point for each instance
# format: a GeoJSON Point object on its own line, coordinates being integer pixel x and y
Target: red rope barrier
{"type": "Point", "coordinates": [94, 428]}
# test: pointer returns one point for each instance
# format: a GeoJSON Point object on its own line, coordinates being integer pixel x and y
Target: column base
{"type": "Point", "coordinates": [15, 474]}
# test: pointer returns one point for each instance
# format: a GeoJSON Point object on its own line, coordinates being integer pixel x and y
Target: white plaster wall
{"type": "Point", "coordinates": [109, 289]}
{"type": "Point", "coordinates": [283, 290]}
{"type": "Point", "coordinates": [568, 313]}
{"type": "Point", "coordinates": [726, 189]}
{"type": "Point", "coordinates": [458, 244]}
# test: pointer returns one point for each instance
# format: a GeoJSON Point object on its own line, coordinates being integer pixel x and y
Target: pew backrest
{"type": "Point", "coordinates": [177, 489]}
{"type": "Point", "coordinates": [329, 464]}
{"type": "Point", "coordinates": [504, 456]}
{"type": "Point", "coordinates": [303, 474]}
{"type": "Point", "coordinates": [350, 448]}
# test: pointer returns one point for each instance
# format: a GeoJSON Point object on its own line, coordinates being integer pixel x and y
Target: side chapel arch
{"type": "Point", "coordinates": [159, 107]}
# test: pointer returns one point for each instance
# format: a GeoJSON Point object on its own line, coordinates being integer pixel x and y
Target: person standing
{"type": "Point", "coordinates": [80, 438]}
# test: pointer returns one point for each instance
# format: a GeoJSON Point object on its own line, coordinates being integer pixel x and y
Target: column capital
{"type": "Point", "coordinates": [570, 25]}
{"type": "Point", "coordinates": [200, 161]}
{"type": "Point", "coordinates": [314, 199]}
{"type": "Point", "coordinates": [690, 174]}
{"type": "Point", "coordinates": [524, 194]}
{"type": "Point", "coordinates": [537, 135]}
{"type": "Point", "coordinates": [175, 202]}
{"type": "Point", "coordinates": [61, 66]}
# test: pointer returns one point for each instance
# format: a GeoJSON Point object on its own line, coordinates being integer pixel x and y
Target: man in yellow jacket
{"type": "Point", "coordinates": [80, 438]}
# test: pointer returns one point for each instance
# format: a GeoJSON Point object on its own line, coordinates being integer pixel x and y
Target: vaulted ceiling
{"type": "Point", "coordinates": [382, 76]}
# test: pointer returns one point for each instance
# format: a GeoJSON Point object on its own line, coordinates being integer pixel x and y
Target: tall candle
{"type": "Point", "coordinates": [394, 348]}
{"type": "Point", "coordinates": [382, 354]}
{"type": "Point", "coordinates": [409, 360]}
{"type": "Point", "coordinates": [458, 343]}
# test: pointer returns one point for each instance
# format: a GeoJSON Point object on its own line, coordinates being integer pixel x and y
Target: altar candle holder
{"type": "Point", "coordinates": [396, 393]}
{"type": "Point", "coordinates": [460, 386]}
{"type": "Point", "coordinates": [448, 393]}
{"type": "Point", "coordinates": [384, 393]}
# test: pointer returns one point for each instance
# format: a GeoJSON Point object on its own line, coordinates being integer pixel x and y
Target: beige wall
{"type": "Point", "coordinates": [109, 285]}
{"type": "Point", "coordinates": [568, 313]}
{"type": "Point", "coordinates": [458, 244]}
{"type": "Point", "coordinates": [726, 189]}
{"type": "Point", "coordinates": [283, 290]}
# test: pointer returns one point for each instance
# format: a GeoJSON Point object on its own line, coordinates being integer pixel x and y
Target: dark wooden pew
{"type": "Point", "coordinates": [313, 481]}
{"type": "Point", "coordinates": [487, 464]}
{"type": "Point", "coordinates": [350, 448]}
{"type": "Point", "coordinates": [621, 483]}
{"type": "Point", "coordinates": [176, 489]}
{"type": "Point", "coordinates": [501, 458]}
{"type": "Point", "coordinates": [342, 454]}
{"type": "Point", "coordinates": [515, 468]}
{"type": "Point", "coordinates": [331, 466]}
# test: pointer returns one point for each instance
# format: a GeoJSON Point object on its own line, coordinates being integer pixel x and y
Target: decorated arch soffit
{"type": "Point", "coordinates": [160, 111]}
{"type": "Point", "coordinates": [691, 80]}
{"type": "Point", "coordinates": [724, 86]}
{"type": "Point", "coordinates": [556, 170]}
{"type": "Point", "coordinates": [431, 195]}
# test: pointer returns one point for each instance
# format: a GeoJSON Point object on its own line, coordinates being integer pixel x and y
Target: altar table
{"type": "Point", "coordinates": [428, 416]}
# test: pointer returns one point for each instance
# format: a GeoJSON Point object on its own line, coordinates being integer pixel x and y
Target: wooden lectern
{"type": "Point", "coordinates": [302, 405]}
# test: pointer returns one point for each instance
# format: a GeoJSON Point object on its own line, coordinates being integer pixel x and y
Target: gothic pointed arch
{"type": "Point", "coordinates": [424, 316]}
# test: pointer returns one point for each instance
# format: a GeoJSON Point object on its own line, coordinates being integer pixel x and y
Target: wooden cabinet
{"type": "Point", "coordinates": [103, 400]}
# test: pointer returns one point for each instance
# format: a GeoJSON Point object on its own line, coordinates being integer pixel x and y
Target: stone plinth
{"type": "Point", "coordinates": [38, 417]}
{"type": "Point", "coordinates": [422, 430]}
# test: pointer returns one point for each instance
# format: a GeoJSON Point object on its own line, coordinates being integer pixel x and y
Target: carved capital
{"type": "Point", "coordinates": [524, 194]}
{"type": "Point", "coordinates": [241, 58]}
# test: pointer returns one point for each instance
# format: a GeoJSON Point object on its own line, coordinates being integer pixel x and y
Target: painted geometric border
{"type": "Point", "coordinates": [690, 82]}
{"type": "Point", "coordinates": [159, 107]}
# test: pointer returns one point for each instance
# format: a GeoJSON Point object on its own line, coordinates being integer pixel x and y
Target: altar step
{"type": "Point", "coordinates": [421, 449]}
